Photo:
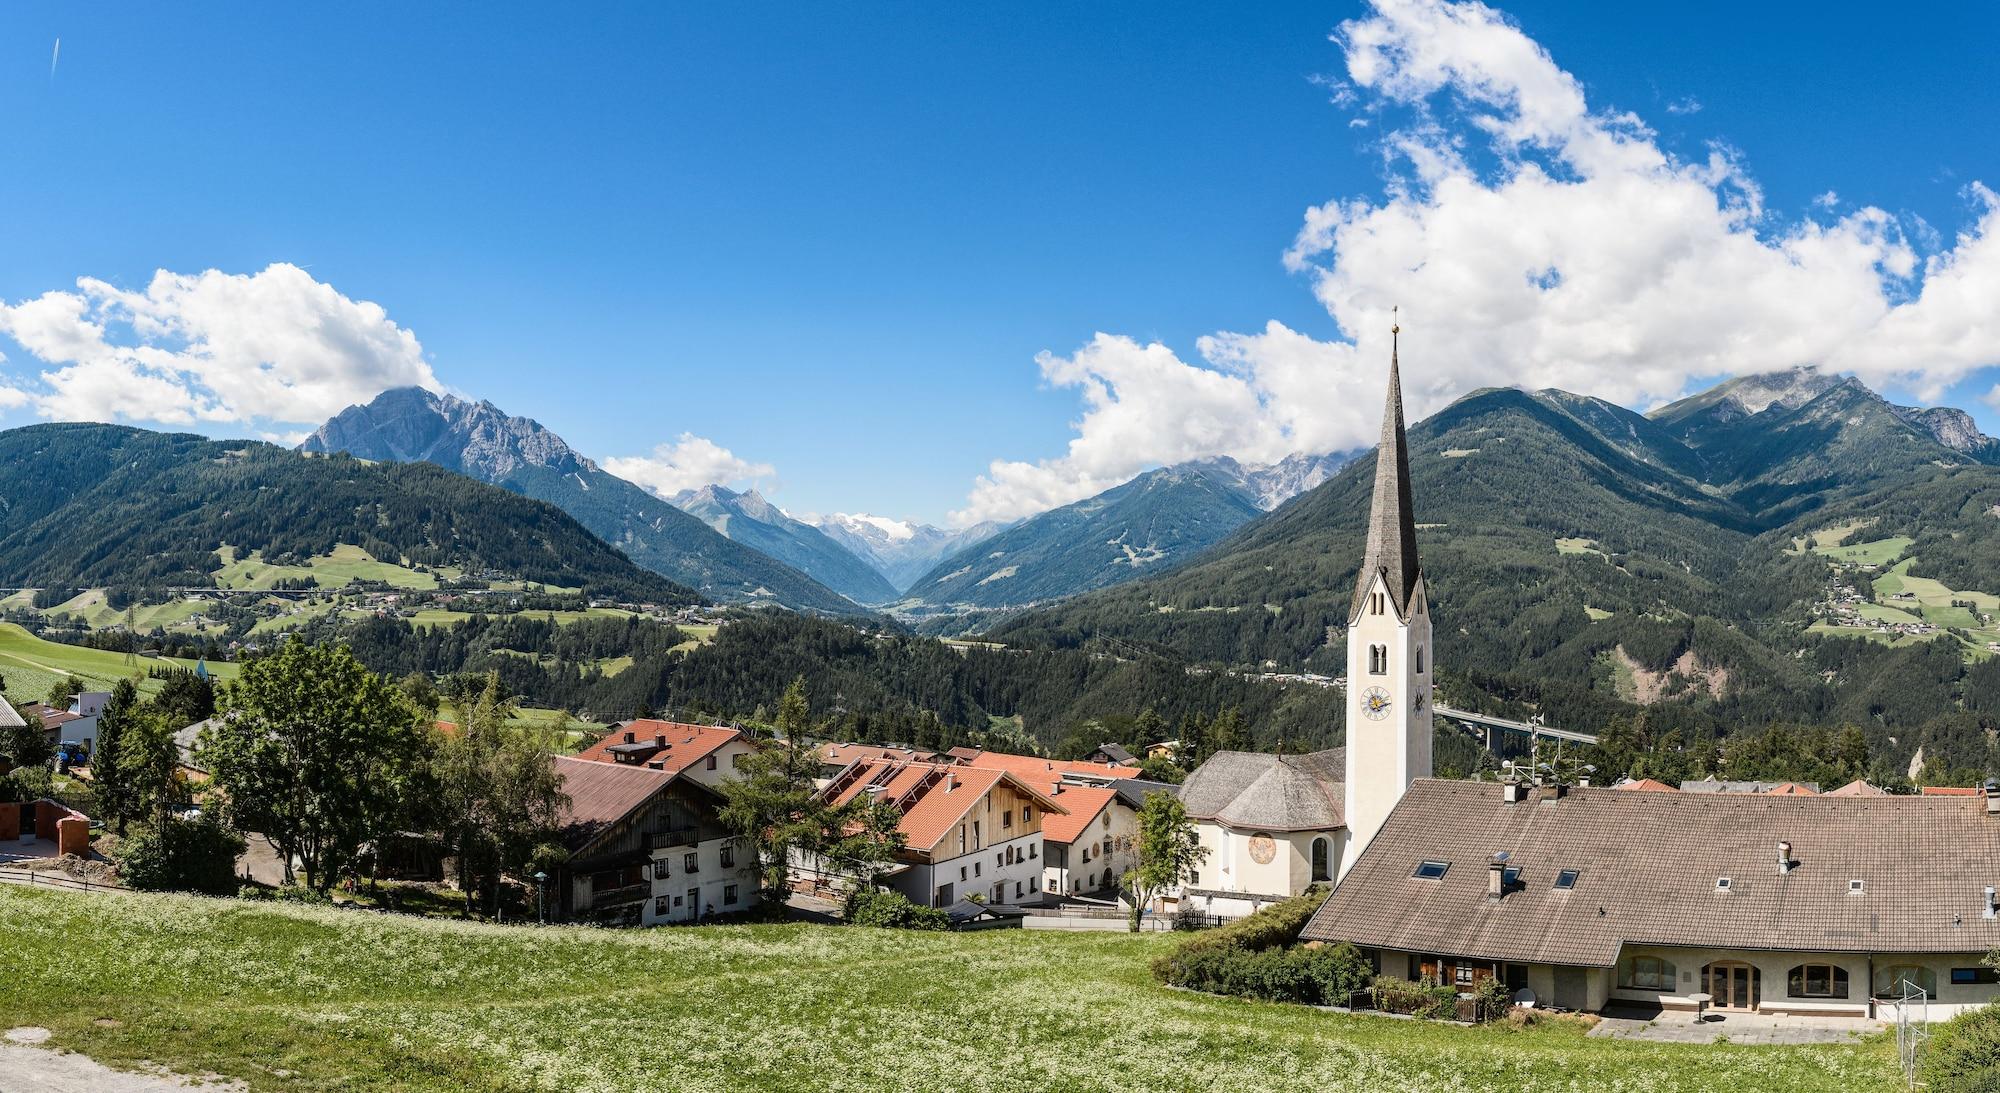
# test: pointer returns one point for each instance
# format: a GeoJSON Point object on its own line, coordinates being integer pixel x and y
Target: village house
{"type": "Point", "coordinates": [709, 754]}
{"type": "Point", "coordinates": [646, 847]}
{"type": "Point", "coordinates": [1799, 905]}
{"type": "Point", "coordinates": [1089, 848]}
{"type": "Point", "coordinates": [1271, 824]}
{"type": "Point", "coordinates": [967, 831]}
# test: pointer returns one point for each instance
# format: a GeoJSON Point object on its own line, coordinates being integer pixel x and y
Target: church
{"type": "Point", "coordinates": [1588, 897]}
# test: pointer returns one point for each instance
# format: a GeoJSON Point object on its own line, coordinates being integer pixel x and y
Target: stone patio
{"type": "Point", "coordinates": [1674, 1026]}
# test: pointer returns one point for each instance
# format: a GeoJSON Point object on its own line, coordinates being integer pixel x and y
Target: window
{"type": "Point", "coordinates": [729, 895]}
{"type": "Point", "coordinates": [1378, 660]}
{"type": "Point", "coordinates": [1420, 660]}
{"type": "Point", "coordinates": [1017, 889]}
{"type": "Point", "coordinates": [961, 872]}
{"type": "Point", "coordinates": [1722, 884]}
{"type": "Point", "coordinates": [1508, 876]}
{"type": "Point", "coordinates": [1565, 880]}
{"type": "Point", "coordinates": [1007, 818]}
{"type": "Point", "coordinates": [1031, 850]}
{"type": "Point", "coordinates": [961, 838]}
{"type": "Point", "coordinates": [736, 761]}
{"type": "Point", "coordinates": [691, 862]}
{"type": "Point", "coordinates": [677, 900]}
{"type": "Point", "coordinates": [975, 869]}
{"type": "Point", "coordinates": [694, 900]}
{"type": "Point", "coordinates": [1107, 845]}
{"type": "Point", "coordinates": [1856, 886]}
{"type": "Point", "coordinates": [1967, 976]}
{"type": "Point", "coordinates": [729, 857]}
{"type": "Point", "coordinates": [711, 759]}
{"type": "Point", "coordinates": [1377, 603]}
{"type": "Point", "coordinates": [1027, 813]}
{"type": "Point", "coordinates": [975, 835]}
{"type": "Point", "coordinates": [1817, 981]}
{"type": "Point", "coordinates": [1646, 973]}
{"type": "Point", "coordinates": [661, 905]}
{"type": "Point", "coordinates": [1034, 884]}
{"type": "Point", "coordinates": [1901, 979]}
{"type": "Point", "coordinates": [1194, 876]}
{"type": "Point", "coordinates": [1431, 870]}
{"type": "Point", "coordinates": [1322, 859]}
{"type": "Point", "coordinates": [999, 860]}
{"type": "Point", "coordinates": [660, 871]}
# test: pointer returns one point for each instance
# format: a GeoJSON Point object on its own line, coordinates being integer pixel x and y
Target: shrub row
{"type": "Point", "coordinates": [880, 907]}
{"type": "Point", "coordinates": [1963, 1055]}
{"type": "Point", "coordinates": [182, 855]}
{"type": "Point", "coordinates": [1258, 957]}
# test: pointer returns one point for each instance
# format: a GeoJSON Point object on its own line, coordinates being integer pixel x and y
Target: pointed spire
{"type": "Point", "coordinates": [1392, 527]}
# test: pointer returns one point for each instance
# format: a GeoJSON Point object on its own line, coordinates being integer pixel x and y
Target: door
{"type": "Point", "coordinates": [1731, 986]}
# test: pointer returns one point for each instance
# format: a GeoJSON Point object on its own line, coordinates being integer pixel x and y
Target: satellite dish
{"type": "Point", "coordinates": [1525, 998]}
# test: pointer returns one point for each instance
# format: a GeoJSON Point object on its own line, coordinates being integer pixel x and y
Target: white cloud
{"type": "Point", "coordinates": [1686, 104]}
{"type": "Point", "coordinates": [690, 462]}
{"type": "Point", "coordinates": [274, 346]}
{"type": "Point", "coordinates": [1530, 240]}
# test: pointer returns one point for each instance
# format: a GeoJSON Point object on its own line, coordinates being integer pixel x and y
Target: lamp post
{"type": "Point", "coordinates": [541, 904]}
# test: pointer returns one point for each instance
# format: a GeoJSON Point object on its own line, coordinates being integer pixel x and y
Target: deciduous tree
{"type": "Point", "coordinates": [1170, 851]}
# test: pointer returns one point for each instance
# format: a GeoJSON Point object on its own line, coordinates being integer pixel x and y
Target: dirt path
{"type": "Point", "coordinates": [25, 1068]}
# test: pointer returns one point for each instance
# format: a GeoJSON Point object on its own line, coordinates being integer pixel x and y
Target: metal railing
{"type": "Point", "coordinates": [663, 840]}
{"type": "Point", "coordinates": [1912, 1028]}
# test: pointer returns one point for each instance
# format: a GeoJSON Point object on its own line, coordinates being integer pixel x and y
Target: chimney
{"type": "Point", "coordinates": [1992, 903]}
{"type": "Point", "coordinates": [1510, 790]}
{"type": "Point", "coordinates": [1993, 797]}
{"type": "Point", "coordinates": [1784, 858]}
{"type": "Point", "coordinates": [631, 737]}
{"type": "Point", "coordinates": [659, 740]}
{"type": "Point", "coordinates": [1496, 877]}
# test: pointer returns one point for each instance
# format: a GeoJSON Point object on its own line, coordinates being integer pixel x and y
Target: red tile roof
{"type": "Point", "coordinates": [844, 754]}
{"type": "Point", "coordinates": [934, 797]}
{"type": "Point", "coordinates": [1038, 771]}
{"type": "Point", "coordinates": [685, 744]}
{"type": "Point", "coordinates": [1794, 789]}
{"type": "Point", "coordinates": [1858, 788]}
{"type": "Point", "coordinates": [1953, 791]}
{"type": "Point", "coordinates": [1085, 804]}
{"type": "Point", "coordinates": [1647, 785]}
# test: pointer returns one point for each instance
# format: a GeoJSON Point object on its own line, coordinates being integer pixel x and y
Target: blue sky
{"type": "Point", "coordinates": [832, 239]}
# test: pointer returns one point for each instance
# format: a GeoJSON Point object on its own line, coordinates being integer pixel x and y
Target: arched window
{"type": "Point", "coordinates": [1817, 981]}
{"type": "Point", "coordinates": [1377, 603]}
{"type": "Point", "coordinates": [1902, 979]}
{"type": "Point", "coordinates": [1322, 858]}
{"type": "Point", "coordinates": [1378, 660]}
{"type": "Point", "coordinates": [1107, 877]}
{"type": "Point", "coordinates": [1420, 660]}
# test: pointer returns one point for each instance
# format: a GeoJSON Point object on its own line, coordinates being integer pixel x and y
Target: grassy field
{"type": "Point", "coordinates": [444, 616]}
{"type": "Point", "coordinates": [344, 564]}
{"type": "Point", "coordinates": [293, 998]}
{"type": "Point", "coordinates": [1872, 552]}
{"type": "Point", "coordinates": [31, 666]}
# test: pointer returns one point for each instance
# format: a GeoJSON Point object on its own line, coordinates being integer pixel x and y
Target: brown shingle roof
{"type": "Point", "coordinates": [600, 795]}
{"type": "Point", "coordinates": [1248, 789]}
{"type": "Point", "coordinates": [1648, 864]}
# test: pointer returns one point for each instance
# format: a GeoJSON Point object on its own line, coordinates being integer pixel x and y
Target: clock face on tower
{"type": "Point", "coordinates": [1375, 703]}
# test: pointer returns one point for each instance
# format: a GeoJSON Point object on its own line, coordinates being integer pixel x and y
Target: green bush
{"type": "Point", "coordinates": [1256, 957]}
{"type": "Point", "coordinates": [301, 893]}
{"type": "Point", "coordinates": [182, 856]}
{"type": "Point", "coordinates": [1963, 1055]}
{"type": "Point", "coordinates": [1393, 995]}
{"type": "Point", "coordinates": [880, 907]}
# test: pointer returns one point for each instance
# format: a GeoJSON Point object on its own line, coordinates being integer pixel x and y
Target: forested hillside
{"type": "Point", "coordinates": [1591, 564]}
{"type": "Point", "coordinates": [104, 505]}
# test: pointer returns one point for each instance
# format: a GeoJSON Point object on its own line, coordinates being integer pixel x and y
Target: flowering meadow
{"type": "Point", "coordinates": [293, 997]}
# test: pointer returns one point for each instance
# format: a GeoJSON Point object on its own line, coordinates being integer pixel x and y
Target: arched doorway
{"type": "Point", "coordinates": [1322, 853]}
{"type": "Point", "coordinates": [1731, 984]}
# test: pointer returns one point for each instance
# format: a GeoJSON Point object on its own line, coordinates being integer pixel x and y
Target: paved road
{"type": "Point", "coordinates": [28, 1069]}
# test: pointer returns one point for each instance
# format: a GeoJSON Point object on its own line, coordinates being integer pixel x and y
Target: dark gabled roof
{"type": "Point", "coordinates": [1648, 864]}
{"type": "Point", "coordinates": [1116, 753]}
{"type": "Point", "coordinates": [1392, 522]}
{"type": "Point", "coordinates": [602, 794]}
{"type": "Point", "coordinates": [1132, 791]}
{"type": "Point", "coordinates": [1258, 791]}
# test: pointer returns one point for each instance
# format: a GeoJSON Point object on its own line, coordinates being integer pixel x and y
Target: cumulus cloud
{"type": "Point", "coordinates": [1531, 239]}
{"type": "Point", "coordinates": [276, 346]}
{"type": "Point", "coordinates": [690, 462]}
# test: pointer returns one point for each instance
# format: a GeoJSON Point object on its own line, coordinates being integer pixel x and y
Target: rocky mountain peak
{"type": "Point", "coordinates": [411, 424]}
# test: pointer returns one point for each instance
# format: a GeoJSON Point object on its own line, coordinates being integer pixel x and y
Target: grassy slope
{"type": "Point", "coordinates": [342, 999]}
{"type": "Point", "coordinates": [30, 666]}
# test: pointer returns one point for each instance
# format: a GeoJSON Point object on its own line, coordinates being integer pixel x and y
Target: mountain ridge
{"type": "Point", "coordinates": [521, 455]}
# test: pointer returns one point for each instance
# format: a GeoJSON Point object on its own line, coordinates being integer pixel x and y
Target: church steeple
{"type": "Point", "coordinates": [1392, 526]}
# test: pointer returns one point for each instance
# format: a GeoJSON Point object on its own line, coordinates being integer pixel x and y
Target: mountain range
{"type": "Point", "coordinates": [749, 519]}
{"type": "Point", "coordinates": [1573, 546]}
{"type": "Point", "coordinates": [410, 424]}
{"type": "Point", "coordinates": [902, 550]}
{"type": "Point", "coordinates": [105, 505]}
